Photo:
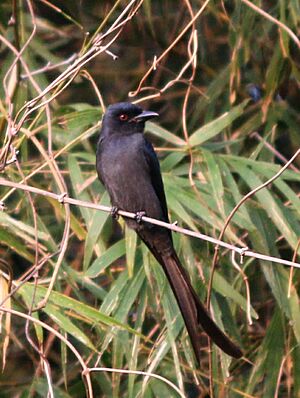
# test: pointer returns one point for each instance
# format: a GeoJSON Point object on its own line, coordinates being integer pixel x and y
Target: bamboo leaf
{"type": "Point", "coordinates": [213, 128]}
{"type": "Point", "coordinates": [130, 242]}
{"type": "Point", "coordinates": [95, 228]}
{"type": "Point", "coordinates": [68, 326]}
{"type": "Point", "coordinates": [164, 134]}
{"type": "Point", "coordinates": [215, 179]}
{"type": "Point", "coordinates": [86, 312]}
{"type": "Point", "coordinates": [106, 259]}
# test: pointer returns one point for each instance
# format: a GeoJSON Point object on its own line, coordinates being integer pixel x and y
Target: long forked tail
{"type": "Point", "coordinates": [192, 309]}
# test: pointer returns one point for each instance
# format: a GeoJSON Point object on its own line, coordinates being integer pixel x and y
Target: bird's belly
{"type": "Point", "coordinates": [130, 186]}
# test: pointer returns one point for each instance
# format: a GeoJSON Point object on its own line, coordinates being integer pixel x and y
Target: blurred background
{"type": "Point", "coordinates": [224, 78]}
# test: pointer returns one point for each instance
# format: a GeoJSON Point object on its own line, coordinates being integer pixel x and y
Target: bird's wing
{"type": "Point", "coordinates": [155, 175]}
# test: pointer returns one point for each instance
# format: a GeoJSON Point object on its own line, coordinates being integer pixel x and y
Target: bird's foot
{"type": "Point", "coordinates": [114, 212]}
{"type": "Point", "coordinates": [139, 216]}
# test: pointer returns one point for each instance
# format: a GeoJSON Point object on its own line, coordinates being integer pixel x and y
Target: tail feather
{"type": "Point", "coordinates": [192, 309]}
{"type": "Point", "coordinates": [179, 280]}
{"type": "Point", "coordinates": [185, 301]}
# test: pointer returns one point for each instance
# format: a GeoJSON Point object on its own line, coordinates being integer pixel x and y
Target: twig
{"type": "Point", "coordinates": [49, 66]}
{"type": "Point", "coordinates": [65, 199]}
{"type": "Point", "coordinates": [138, 372]}
{"type": "Point", "coordinates": [85, 372]}
{"type": "Point", "coordinates": [232, 213]}
{"type": "Point", "coordinates": [245, 278]}
{"type": "Point", "coordinates": [284, 359]}
{"type": "Point", "coordinates": [182, 33]}
{"type": "Point", "coordinates": [272, 19]}
{"type": "Point", "coordinates": [274, 150]}
{"type": "Point", "coordinates": [88, 76]}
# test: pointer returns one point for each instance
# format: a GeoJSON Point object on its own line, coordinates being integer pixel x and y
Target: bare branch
{"type": "Point", "coordinates": [62, 198]}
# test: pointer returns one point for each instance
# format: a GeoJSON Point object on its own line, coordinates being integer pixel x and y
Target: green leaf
{"type": "Point", "coordinates": [8, 239]}
{"type": "Point", "coordinates": [135, 349]}
{"type": "Point", "coordinates": [223, 287]}
{"type": "Point", "coordinates": [269, 203]}
{"type": "Point", "coordinates": [269, 358]}
{"type": "Point", "coordinates": [95, 228]}
{"type": "Point", "coordinates": [21, 229]}
{"type": "Point", "coordinates": [41, 387]}
{"type": "Point", "coordinates": [78, 184]}
{"type": "Point", "coordinates": [80, 119]}
{"type": "Point", "coordinates": [170, 161]}
{"type": "Point", "coordinates": [164, 134]}
{"type": "Point", "coordinates": [174, 320]}
{"type": "Point", "coordinates": [121, 297]}
{"type": "Point", "coordinates": [130, 242]}
{"type": "Point", "coordinates": [38, 329]}
{"type": "Point", "coordinates": [76, 226]}
{"type": "Point", "coordinates": [215, 179]}
{"type": "Point", "coordinates": [114, 252]}
{"type": "Point", "coordinates": [86, 312]}
{"type": "Point", "coordinates": [63, 321]}
{"type": "Point", "coordinates": [276, 276]}
{"type": "Point", "coordinates": [179, 210]}
{"type": "Point", "coordinates": [214, 127]}
{"type": "Point", "coordinates": [232, 186]}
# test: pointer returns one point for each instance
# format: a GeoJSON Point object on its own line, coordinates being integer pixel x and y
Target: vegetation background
{"type": "Point", "coordinates": [224, 77]}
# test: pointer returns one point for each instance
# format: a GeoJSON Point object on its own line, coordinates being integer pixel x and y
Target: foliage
{"type": "Point", "coordinates": [228, 96]}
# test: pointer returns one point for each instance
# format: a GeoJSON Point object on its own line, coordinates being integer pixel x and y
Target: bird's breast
{"type": "Point", "coordinates": [125, 173]}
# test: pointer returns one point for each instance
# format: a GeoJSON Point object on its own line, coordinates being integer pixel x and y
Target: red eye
{"type": "Point", "coordinates": [123, 117]}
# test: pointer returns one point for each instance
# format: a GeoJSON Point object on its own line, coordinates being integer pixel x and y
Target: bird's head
{"type": "Point", "coordinates": [125, 118]}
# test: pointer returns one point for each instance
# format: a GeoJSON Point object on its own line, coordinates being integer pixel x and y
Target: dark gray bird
{"type": "Point", "coordinates": [129, 169]}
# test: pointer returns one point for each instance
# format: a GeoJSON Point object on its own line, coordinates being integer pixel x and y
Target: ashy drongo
{"type": "Point", "coordinates": [129, 169]}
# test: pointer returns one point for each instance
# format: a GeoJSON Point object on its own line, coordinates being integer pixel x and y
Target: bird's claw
{"type": "Point", "coordinates": [139, 216]}
{"type": "Point", "coordinates": [114, 212]}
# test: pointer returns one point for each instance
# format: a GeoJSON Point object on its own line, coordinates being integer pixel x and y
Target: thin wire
{"type": "Point", "coordinates": [62, 198]}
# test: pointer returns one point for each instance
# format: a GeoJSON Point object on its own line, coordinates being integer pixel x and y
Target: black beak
{"type": "Point", "coordinates": [145, 115]}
